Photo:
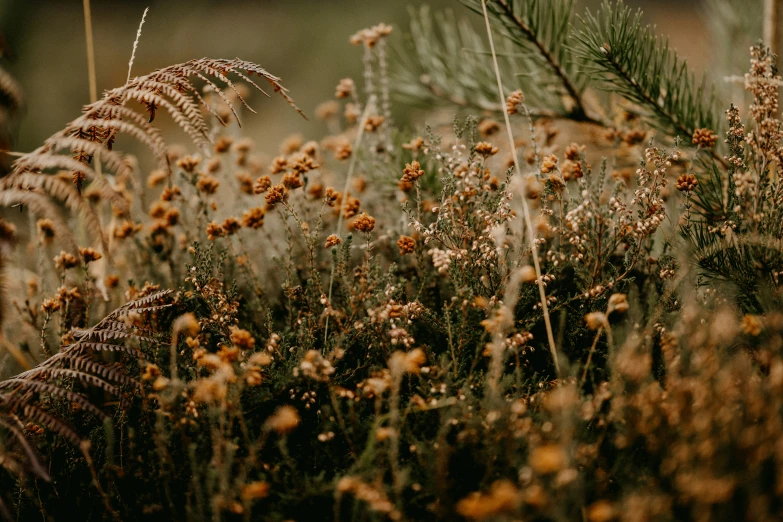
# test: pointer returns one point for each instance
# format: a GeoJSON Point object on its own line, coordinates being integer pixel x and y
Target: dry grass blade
{"type": "Point", "coordinates": [526, 209]}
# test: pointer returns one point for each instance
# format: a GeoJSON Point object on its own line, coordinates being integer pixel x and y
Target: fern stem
{"type": "Point", "coordinates": [526, 210]}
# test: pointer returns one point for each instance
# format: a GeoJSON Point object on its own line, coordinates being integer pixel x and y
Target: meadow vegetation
{"type": "Point", "coordinates": [564, 304]}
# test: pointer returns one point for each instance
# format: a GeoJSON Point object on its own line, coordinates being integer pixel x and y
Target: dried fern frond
{"type": "Point", "coordinates": [90, 137]}
{"type": "Point", "coordinates": [20, 395]}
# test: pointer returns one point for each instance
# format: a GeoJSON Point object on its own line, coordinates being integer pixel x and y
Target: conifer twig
{"type": "Point", "coordinates": [526, 209]}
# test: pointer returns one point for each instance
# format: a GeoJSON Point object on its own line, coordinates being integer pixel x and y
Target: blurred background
{"type": "Point", "coordinates": [304, 42]}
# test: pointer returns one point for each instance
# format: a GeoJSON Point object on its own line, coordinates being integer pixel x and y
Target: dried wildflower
{"type": "Point", "coordinates": [373, 123]}
{"type": "Point", "coordinates": [572, 170]}
{"type": "Point", "coordinates": [187, 324]}
{"type": "Point", "coordinates": [596, 320]}
{"type": "Point", "coordinates": [151, 371]}
{"type": "Point", "coordinates": [406, 244]}
{"type": "Point", "coordinates": [415, 145]}
{"type": "Point", "coordinates": [214, 165]}
{"type": "Point", "coordinates": [412, 172]}
{"type": "Point", "coordinates": [618, 303]}
{"type": "Point", "coordinates": [245, 182]}
{"type": "Point", "coordinates": [686, 183]}
{"type": "Point", "coordinates": [291, 180]}
{"type": "Point", "coordinates": [64, 261]}
{"type": "Point", "coordinates": [172, 216]}
{"type": "Point", "coordinates": [291, 144]}
{"type": "Point", "coordinates": [345, 88]}
{"type": "Point", "coordinates": [283, 420]}
{"type": "Point", "coordinates": [485, 149]}
{"type": "Point", "coordinates": [405, 186]}
{"type": "Point", "coordinates": [157, 209]}
{"type": "Point", "coordinates": [223, 144]}
{"type": "Point", "coordinates": [351, 207]}
{"type": "Point", "coordinates": [574, 152]}
{"type": "Point", "coordinates": [752, 325]}
{"type": "Point", "coordinates": [364, 222]}
{"type": "Point", "coordinates": [262, 184]}
{"type": "Point", "coordinates": [303, 163]}
{"type": "Point", "coordinates": [242, 339]}
{"type": "Point", "coordinates": [315, 190]}
{"type": "Point", "coordinates": [90, 254]}
{"type": "Point", "coordinates": [111, 281]}
{"type": "Point", "coordinates": [343, 150]}
{"type": "Point", "coordinates": [488, 127]}
{"type": "Point", "coordinates": [49, 306]}
{"type": "Point", "coordinates": [556, 183]}
{"type": "Point", "coordinates": [533, 187]}
{"type": "Point", "coordinates": [310, 149]}
{"type": "Point", "coordinates": [45, 228]}
{"type": "Point", "coordinates": [169, 194]}
{"type": "Point", "coordinates": [231, 226]}
{"type": "Point", "coordinates": [327, 110]}
{"type": "Point", "coordinates": [351, 113]}
{"type": "Point", "coordinates": [549, 458]}
{"type": "Point", "coordinates": [548, 163]}
{"type": "Point", "coordinates": [228, 354]}
{"type": "Point", "coordinates": [207, 184]}
{"type": "Point", "coordinates": [704, 138]}
{"type": "Point", "coordinates": [189, 163]}
{"type": "Point", "coordinates": [214, 231]}
{"type": "Point", "coordinates": [276, 194]}
{"type": "Point", "coordinates": [253, 218]}
{"type": "Point", "coordinates": [126, 229]}
{"type": "Point", "coordinates": [359, 184]}
{"type": "Point", "coordinates": [156, 177]}
{"type": "Point", "coordinates": [503, 498]}
{"type": "Point", "coordinates": [513, 101]}
{"type": "Point", "coordinates": [255, 490]}
{"type": "Point", "coordinates": [332, 196]}
{"type": "Point", "coordinates": [332, 240]}
{"type": "Point", "coordinates": [527, 274]}
{"type": "Point", "coordinates": [601, 511]}
{"type": "Point", "coordinates": [409, 362]}
{"type": "Point", "coordinates": [279, 164]}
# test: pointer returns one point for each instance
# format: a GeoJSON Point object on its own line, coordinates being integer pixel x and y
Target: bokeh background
{"type": "Point", "coordinates": [304, 42]}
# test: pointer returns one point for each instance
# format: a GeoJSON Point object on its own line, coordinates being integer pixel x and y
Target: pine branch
{"type": "Point", "coordinates": [542, 29]}
{"type": "Point", "coordinates": [629, 59]}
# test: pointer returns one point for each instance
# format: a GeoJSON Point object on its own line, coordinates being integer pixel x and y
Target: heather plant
{"type": "Point", "coordinates": [558, 302]}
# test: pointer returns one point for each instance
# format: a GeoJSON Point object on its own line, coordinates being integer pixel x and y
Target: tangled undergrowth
{"type": "Point", "coordinates": [558, 305]}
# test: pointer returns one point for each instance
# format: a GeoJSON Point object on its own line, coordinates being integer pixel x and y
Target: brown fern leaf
{"type": "Point", "coordinates": [90, 137]}
{"type": "Point", "coordinates": [21, 404]}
